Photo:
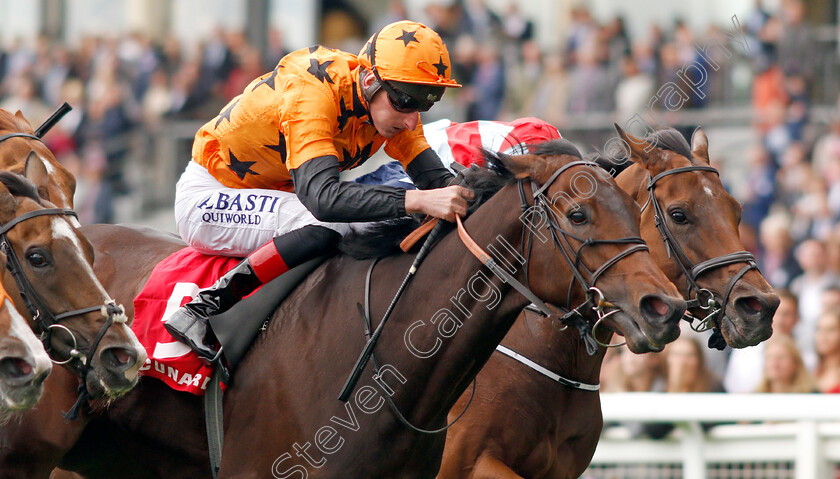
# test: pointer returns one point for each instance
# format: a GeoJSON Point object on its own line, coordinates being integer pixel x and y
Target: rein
{"type": "Point", "coordinates": [703, 299]}
{"type": "Point", "coordinates": [46, 320]}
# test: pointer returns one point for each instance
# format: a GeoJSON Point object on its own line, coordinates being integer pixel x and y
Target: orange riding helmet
{"type": "Point", "coordinates": [411, 58]}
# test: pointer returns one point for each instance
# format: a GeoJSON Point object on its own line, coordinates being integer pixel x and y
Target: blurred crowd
{"type": "Point", "coordinates": [122, 88]}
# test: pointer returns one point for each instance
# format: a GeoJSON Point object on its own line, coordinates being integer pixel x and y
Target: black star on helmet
{"type": "Point", "coordinates": [319, 70]}
{"type": "Point", "coordinates": [408, 37]}
{"type": "Point", "coordinates": [441, 67]}
{"type": "Point", "coordinates": [241, 168]}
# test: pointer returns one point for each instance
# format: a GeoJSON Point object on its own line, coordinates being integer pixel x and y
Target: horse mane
{"type": "Point", "coordinates": [20, 186]}
{"type": "Point", "coordinates": [667, 139]}
{"type": "Point", "coordinates": [382, 238]}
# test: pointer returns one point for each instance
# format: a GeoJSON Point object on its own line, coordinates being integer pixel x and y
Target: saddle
{"type": "Point", "coordinates": [237, 327]}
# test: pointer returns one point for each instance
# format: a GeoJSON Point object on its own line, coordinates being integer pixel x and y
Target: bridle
{"type": "Point", "coordinates": [574, 316]}
{"type": "Point", "coordinates": [703, 299]}
{"type": "Point", "coordinates": [47, 321]}
{"type": "Point", "coordinates": [584, 276]}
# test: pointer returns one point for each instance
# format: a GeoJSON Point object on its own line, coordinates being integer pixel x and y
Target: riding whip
{"type": "Point", "coordinates": [368, 349]}
{"type": "Point", "coordinates": [53, 119]}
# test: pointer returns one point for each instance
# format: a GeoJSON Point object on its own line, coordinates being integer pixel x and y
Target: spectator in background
{"type": "Point", "coordinates": [24, 97]}
{"type": "Point", "coordinates": [784, 371]}
{"type": "Point", "coordinates": [634, 89]}
{"type": "Point", "coordinates": [641, 373]}
{"type": "Point", "coordinates": [808, 287]}
{"type": "Point", "coordinates": [550, 96]}
{"type": "Point", "coordinates": [761, 186]}
{"type": "Point", "coordinates": [777, 262]}
{"type": "Point", "coordinates": [487, 85]}
{"type": "Point", "coordinates": [745, 366]}
{"type": "Point", "coordinates": [686, 370]}
{"type": "Point", "coordinates": [796, 44]}
{"type": "Point", "coordinates": [828, 351]}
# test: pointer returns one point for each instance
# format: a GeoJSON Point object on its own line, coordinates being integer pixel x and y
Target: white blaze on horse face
{"type": "Point", "coordinates": [706, 187]}
{"type": "Point", "coordinates": [61, 229]}
{"type": "Point", "coordinates": [20, 330]}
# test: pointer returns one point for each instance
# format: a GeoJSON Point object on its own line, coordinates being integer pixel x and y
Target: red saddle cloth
{"type": "Point", "coordinates": [174, 282]}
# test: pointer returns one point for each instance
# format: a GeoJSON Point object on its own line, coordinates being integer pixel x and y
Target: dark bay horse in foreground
{"type": "Point", "coordinates": [55, 184]}
{"type": "Point", "coordinates": [23, 362]}
{"type": "Point", "coordinates": [282, 417]}
{"type": "Point", "coordinates": [524, 424]}
{"type": "Point", "coordinates": [52, 263]}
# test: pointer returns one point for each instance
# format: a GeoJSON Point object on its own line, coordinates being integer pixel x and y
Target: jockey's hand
{"type": "Point", "coordinates": [442, 203]}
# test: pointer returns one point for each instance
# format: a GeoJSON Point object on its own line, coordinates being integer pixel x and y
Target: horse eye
{"type": "Point", "coordinates": [577, 217]}
{"type": "Point", "coordinates": [678, 217]}
{"type": "Point", "coordinates": [37, 260]}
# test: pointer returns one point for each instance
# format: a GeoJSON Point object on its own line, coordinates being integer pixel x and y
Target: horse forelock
{"type": "Point", "coordinates": [19, 186]}
{"type": "Point", "coordinates": [670, 139]}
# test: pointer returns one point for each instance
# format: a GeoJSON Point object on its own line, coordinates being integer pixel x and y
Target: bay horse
{"type": "Point", "coordinates": [55, 184]}
{"type": "Point", "coordinates": [24, 364]}
{"type": "Point", "coordinates": [523, 422]}
{"type": "Point", "coordinates": [50, 277]}
{"type": "Point", "coordinates": [444, 327]}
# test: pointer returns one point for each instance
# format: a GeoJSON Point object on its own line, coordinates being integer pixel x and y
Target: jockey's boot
{"type": "Point", "coordinates": [190, 324]}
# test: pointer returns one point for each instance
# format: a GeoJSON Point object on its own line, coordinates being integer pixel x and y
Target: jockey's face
{"type": "Point", "coordinates": [385, 118]}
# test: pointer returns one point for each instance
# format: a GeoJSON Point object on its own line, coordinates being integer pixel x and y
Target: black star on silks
{"type": "Point", "coordinates": [280, 147]}
{"type": "Point", "coordinates": [408, 37]}
{"type": "Point", "coordinates": [319, 70]}
{"type": "Point", "coordinates": [352, 161]}
{"type": "Point", "coordinates": [369, 51]}
{"type": "Point", "coordinates": [241, 168]}
{"type": "Point", "coordinates": [358, 110]}
{"type": "Point", "coordinates": [441, 67]}
{"type": "Point", "coordinates": [225, 115]}
{"type": "Point", "coordinates": [269, 80]}
{"type": "Point", "coordinates": [314, 48]}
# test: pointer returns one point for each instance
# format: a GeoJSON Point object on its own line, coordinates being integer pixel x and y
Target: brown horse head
{"type": "Point", "coordinates": [700, 220]}
{"type": "Point", "coordinates": [24, 365]}
{"type": "Point", "coordinates": [589, 223]}
{"type": "Point", "coordinates": [33, 159]}
{"type": "Point", "coordinates": [53, 265]}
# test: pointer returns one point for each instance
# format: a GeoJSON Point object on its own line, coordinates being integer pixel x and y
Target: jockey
{"type": "Point", "coordinates": [264, 177]}
{"type": "Point", "coordinates": [460, 143]}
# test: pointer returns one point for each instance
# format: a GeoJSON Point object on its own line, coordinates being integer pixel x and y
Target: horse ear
{"type": "Point", "coordinates": [36, 172]}
{"type": "Point", "coordinates": [700, 145]}
{"type": "Point", "coordinates": [644, 153]}
{"type": "Point", "coordinates": [19, 116]}
{"type": "Point", "coordinates": [518, 166]}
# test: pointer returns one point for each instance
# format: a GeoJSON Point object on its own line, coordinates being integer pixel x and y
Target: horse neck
{"type": "Point", "coordinates": [464, 315]}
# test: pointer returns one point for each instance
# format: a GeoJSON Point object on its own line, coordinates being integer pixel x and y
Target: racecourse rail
{"type": "Point", "coordinates": [768, 435]}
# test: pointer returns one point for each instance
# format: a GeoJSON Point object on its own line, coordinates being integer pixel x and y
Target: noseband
{"type": "Point", "coordinates": [703, 299]}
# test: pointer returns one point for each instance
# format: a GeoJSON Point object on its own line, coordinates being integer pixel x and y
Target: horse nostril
{"type": "Point", "coordinates": [655, 307]}
{"type": "Point", "coordinates": [118, 359]}
{"type": "Point", "coordinates": [15, 368]}
{"type": "Point", "coordinates": [749, 305]}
